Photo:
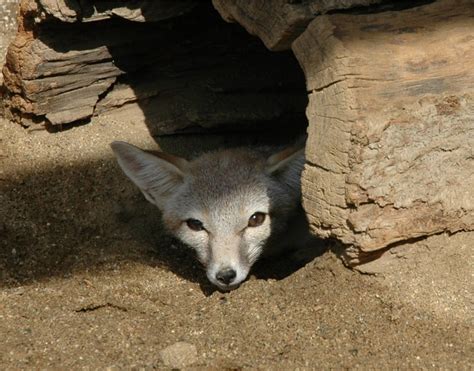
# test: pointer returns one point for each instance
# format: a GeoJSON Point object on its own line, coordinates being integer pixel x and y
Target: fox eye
{"type": "Point", "coordinates": [256, 219]}
{"type": "Point", "coordinates": [194, 224]}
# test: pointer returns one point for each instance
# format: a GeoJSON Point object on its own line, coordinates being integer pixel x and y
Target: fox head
{"type": "Point", "coordinates": [224, 204]}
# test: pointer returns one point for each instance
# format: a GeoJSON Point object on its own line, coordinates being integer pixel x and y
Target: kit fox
{"type": "Point", "coordinates": [231, 205]}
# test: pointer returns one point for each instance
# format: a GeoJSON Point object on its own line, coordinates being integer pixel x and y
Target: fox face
{"type": "Point", "coordinates": [228, 205]}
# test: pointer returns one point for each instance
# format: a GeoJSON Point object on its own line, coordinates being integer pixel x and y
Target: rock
{"type": "Point", "coordinates": [179, 355]}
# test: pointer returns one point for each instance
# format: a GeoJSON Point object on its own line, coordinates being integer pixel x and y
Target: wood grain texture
{"type": "Point", "coordinates": [57, 75]}
{"type": "Point", "coordinates": [190, 73]}
{"type": "Point", "coordinates": [391, 136]}
{"type": "Point", "coordinates": [279, 22]}
{"type": "Point", "coordinates": [132, 10]}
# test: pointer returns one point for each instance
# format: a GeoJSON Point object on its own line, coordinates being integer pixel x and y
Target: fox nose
{"type": "Point", "coordinates": [226, 275]}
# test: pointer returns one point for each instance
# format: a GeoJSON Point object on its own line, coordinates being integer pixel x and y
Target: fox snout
{"type": "Point", "coordinates": [224, 204]}
{"type": "Point", "coordinates": [226, 278]}
{"type": "Point", "coordinates": [226, 255]}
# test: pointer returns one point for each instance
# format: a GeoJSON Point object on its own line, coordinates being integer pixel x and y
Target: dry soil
{"type": "Point", "coordinates": [89, 280]}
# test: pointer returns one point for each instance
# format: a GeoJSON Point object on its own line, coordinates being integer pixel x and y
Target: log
{"type": "Point", "coordinates": [61, 72]}
{"type": "Point", "coordinates": [132, 10]}
{"type": "Point", "coordinates": [59, 77]}
{"type": "Point", "coordinates": [58, 72]}
{"type": "Point", "coordinates": [279, 22]}
{"type": "Point", "coordinates": [391, 124]}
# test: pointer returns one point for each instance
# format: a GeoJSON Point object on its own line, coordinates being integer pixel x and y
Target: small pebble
{"type": "Point", "coordinates": [179, 355]}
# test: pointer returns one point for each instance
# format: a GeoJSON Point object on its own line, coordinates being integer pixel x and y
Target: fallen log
{"type": "Point", "coordinates": [190, 73]}
{"type": "Point", "coordinates": [391, 124]}
{"type": "Point", "coordinates": [91, 11]}
{"type": "Point", "coordinates": [279, 22]}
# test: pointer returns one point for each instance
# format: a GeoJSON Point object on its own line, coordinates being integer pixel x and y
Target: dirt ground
{"type": "Point", "coordinates": [89, 280]}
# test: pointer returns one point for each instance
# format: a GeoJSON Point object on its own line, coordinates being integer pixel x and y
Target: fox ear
{"type": "Point", "coordinates": [156, 174]}
{"type": "Point", "coordinates": [287, 166]}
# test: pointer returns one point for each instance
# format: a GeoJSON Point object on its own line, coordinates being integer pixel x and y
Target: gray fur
{"type": "Point", "coordinates": [222, 190]}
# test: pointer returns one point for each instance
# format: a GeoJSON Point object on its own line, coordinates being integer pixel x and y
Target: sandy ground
{"type": "Point", "coordinates": [88, 279]}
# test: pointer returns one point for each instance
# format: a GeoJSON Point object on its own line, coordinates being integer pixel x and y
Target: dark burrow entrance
{"type": "Point", "coordinates": [193, 73]}
{"type": "Point", "coordinates": [189, 77]}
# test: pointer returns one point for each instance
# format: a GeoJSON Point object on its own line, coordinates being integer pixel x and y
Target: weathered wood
{"type": "Point", "coordinates": [59, 72]}
{"type": "Point", "coordinates": [279, 22]}
{"type": "Point", "coordinates": [62, 72]}
{"type": "Point", "coordinates": [391, 134]}
{"type": "Point", "coordinates": [57, 76]}
{"type": "Point", "coordinates": [133, 10]}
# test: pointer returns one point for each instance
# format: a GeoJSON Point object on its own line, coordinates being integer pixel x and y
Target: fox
{"type": "Point", "coordinates": [232, 206]}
